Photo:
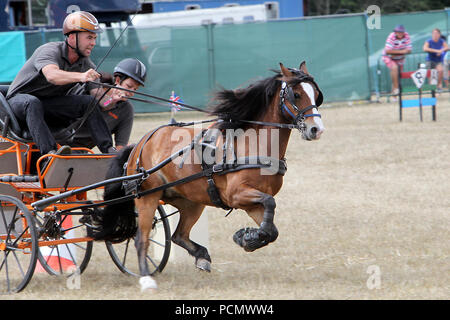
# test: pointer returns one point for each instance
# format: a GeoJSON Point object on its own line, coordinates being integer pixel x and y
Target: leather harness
{"type": "Point", "coordinates": [208, 169]}
{"type": "Point", "coordinates": [207, 140]}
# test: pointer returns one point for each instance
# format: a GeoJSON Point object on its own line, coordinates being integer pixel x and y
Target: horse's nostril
{"type": "Point", "coordinates": [314, 130]}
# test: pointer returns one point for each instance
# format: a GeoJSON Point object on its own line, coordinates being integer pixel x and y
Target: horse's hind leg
{"type": "Point", "coordinates": [254, 238]}
{"type": "Point", "coordinates": [190, 212]}
{"type": "Point", "coordinates": [146, 207]}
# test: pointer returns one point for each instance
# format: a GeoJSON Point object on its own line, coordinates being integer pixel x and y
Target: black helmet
{"type": "Point", "coordinates": [132, 68]}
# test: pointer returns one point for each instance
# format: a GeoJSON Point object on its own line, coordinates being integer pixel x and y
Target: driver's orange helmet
{"type": "Point", "coordinates": [80, 21]}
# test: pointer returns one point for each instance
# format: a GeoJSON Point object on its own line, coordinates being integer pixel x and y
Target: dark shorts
{"type": "Point", "coordinates": [433, 64]}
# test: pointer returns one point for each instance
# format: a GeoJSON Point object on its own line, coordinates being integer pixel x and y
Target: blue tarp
{"type": "Point", "coordinates": [12, 54]}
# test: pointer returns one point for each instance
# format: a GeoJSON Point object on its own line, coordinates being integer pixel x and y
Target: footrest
{"type": "Point", "coordinates": [76, 170]}
{"type": "Point", "coordinates": [19, 178]}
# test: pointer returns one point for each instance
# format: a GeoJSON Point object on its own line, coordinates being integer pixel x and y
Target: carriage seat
{"type": "Point", "coordinates": [11, 127]}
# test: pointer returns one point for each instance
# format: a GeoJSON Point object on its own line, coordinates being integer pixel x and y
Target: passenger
{"type": "Point", "coordinates": [117, 111]}
{"type": "Point", "coordinates": [40, 95]}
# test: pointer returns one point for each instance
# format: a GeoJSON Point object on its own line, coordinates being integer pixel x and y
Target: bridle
{"type": "Point", "coordinates": [287, 94]}
{"type": "Point", "coordinates": [298, 120]}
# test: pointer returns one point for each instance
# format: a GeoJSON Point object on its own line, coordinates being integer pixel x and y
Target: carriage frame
{"type": "Point", "coordinates": [32, 239]}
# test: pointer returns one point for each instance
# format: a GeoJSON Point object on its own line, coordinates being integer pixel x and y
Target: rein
{"type": "Point", "coordinates": [149, 96]}
{"type": "Point", "coordinates": [135, 180]}
{"type": "Point", "coordinates": [79, 89]}
{"type": "Point", "coordinates": [271, 124]}
{"type": "Point", "coordinates": [285, 94]}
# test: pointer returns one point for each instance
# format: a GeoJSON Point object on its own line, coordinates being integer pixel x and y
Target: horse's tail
{"type": "Point", "coordinates": [116, 222]}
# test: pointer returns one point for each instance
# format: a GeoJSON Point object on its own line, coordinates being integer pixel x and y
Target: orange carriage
{"type": "Point", "coordinates": [56, 238]}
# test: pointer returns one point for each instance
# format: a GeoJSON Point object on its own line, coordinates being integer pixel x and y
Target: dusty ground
{"type": "Point", "coordinates": [363, 214]}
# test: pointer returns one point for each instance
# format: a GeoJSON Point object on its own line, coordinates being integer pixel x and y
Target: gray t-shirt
{"type": "Point", "coordinates": [30, 79]}
{"type": "Point", "coordinates": [119, 121]}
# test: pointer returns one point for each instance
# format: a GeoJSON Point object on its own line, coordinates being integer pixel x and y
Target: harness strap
{"type": "Point", "coordinates": [218, 169]}
{"type": "Point", "coordinates": [230, 165]}
{"type": "Point", "coordinates": [273, 124]}
{"type": "Point", "coordinates": [312, 114]}
{"type": "Point", "coordinates": [210, 138]}
{"type": "Point", "coordinates": [213, 193]}
{"type": "Point", "coordinates": [252, 162]}
{"type": "Point", "coordinates": [249, 162]}
{"type": "Point", "coordinates": [149, 135]}
{"type": "Point", "coordinates": [176, 124]}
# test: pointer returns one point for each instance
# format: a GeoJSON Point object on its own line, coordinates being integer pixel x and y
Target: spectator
{"type": "Point", "coordinates": [436, 48]}
{"type": "Point", "coordinates": [398, 44]}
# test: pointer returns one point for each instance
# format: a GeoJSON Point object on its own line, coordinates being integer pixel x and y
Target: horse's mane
{"type": "Point", "coordinates": [249, 103]}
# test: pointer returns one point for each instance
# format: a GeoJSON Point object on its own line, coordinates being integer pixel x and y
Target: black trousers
{"type": "Point", "coordinates": [39, 114]}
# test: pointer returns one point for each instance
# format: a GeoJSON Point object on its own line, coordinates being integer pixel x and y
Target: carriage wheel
{"type": "Point", "coordinates": [124, 253]}
{"type": "Point", "coordinates": [18, 245]}
{"type": "Point", "coordinates": [68, 258]}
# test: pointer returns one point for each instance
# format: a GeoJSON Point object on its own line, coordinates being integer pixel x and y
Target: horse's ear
{"type": "Point", "coordinates": [303, 67]}
{"type": "Point", "coordinates": [285, 71]}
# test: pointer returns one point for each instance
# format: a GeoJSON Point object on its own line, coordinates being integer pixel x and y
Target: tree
{"type": "Point", "coordinates": [325, 7]}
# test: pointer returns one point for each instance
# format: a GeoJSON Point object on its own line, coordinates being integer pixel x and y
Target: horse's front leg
{"type": "Point", "coordinates": [146, 207]}
{"type": "Point", "coordinates": [263, 214]}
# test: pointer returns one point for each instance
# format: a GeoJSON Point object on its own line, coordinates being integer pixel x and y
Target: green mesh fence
{"type": "Point", "coordinates": [419, 26]}
{"type": "Point", "coordinates": [341, 53]}
{"type": "Point", "coordinates": [248, 51]}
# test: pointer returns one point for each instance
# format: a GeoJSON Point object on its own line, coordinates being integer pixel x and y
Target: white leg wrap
{"type": "Point", "coordinates": [147, 283]}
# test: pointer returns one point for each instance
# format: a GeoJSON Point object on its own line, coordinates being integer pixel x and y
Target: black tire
{"type": "Point", "coordinates": [65, 259]}
{"type": "Point", "coordinates": [124, 254]}
{"type": "Point", "coordinates": [19, 245]}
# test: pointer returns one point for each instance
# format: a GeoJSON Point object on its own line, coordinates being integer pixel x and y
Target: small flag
{"type": "Point", "coordinates": [175, 98]}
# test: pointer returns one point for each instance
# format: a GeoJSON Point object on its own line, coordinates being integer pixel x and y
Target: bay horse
{"type": "Point", "coordinates": [267, 109]}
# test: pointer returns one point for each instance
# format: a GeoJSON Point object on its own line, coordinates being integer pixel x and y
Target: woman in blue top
{"type": "Point", "coordinates": [436, 48]}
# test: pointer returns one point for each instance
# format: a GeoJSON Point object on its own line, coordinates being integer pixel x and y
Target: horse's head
{"type": "Point", "coordinates": [300, 98]}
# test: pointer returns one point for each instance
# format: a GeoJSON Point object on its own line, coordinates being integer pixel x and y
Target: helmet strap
{"type": "Point", "coordinates": [77, 49]}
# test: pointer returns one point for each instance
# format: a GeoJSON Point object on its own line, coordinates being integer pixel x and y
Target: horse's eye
{"type": "Point", "coordinates": [296, 96]}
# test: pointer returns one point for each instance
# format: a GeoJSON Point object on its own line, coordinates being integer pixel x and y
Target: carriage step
{"type": "Point", "coordinates": [19, 179]}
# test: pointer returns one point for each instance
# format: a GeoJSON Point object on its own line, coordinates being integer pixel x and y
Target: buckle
{"type": "Point", "coordinates": [217, 168]}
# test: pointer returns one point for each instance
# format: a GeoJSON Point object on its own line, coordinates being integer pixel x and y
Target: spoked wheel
{"type": "Point", "coordinates": [124, 254]}
{"type": "Point", "coordinates": [68, 248]}
{"type": "Point", "coordinates": [18, 245]}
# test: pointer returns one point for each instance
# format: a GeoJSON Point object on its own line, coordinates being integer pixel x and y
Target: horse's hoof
{"type": "Point", "coordinates": [250, 239]}
{"type": "Point", "coordinates": [239, 236]}
{"type": "Point", "coordinates": [203, 264]}
{"type": "Point", "coordinates": [148, 284]}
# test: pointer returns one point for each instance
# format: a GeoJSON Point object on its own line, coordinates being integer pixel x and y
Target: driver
{"type": "Point", "coordinates": [40, 94]}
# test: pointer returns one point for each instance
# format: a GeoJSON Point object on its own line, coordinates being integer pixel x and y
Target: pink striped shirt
{"type": "Point", "coordinates": [392, 43]}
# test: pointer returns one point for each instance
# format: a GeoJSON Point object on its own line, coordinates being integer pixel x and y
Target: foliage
{"type": "Point", "coordinates": [325, 7]}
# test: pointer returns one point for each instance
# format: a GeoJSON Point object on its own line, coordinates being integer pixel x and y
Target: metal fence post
{"type": "Point", "coordinates": [400, 93]}
{"type": "Point", "coordinates": [211, 60]}
{"type": "Point", "coordinates": [433, 107]}
{"type": "Point", "coordinates": [420, 105]}
{"type": "Point", "coordinates": [373, 75]}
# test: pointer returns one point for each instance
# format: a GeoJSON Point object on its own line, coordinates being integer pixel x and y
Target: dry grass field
{"type": "Point", "coordinates": [371, 194]}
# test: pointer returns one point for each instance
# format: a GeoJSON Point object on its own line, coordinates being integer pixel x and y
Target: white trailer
{"type": "Point", "coordinates": [223, 15]}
